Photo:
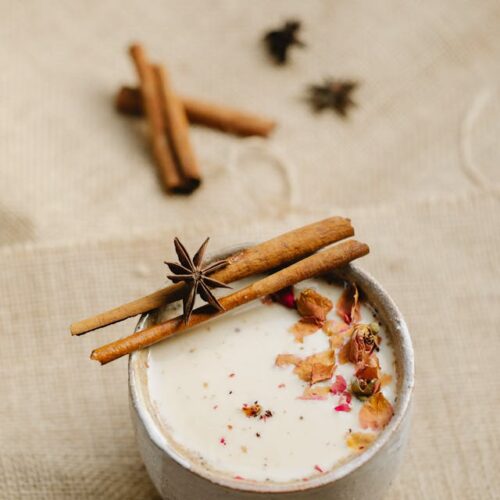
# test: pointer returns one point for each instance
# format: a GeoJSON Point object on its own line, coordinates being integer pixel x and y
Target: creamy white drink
{"type": "Point", "coordinates": [228, 400]}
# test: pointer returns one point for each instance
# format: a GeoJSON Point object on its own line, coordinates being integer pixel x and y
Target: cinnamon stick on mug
{"type": "Point", "coordinates": [317, 264]}
{"type": "Point", "coordinates": [153, 110]}
{"type": "Point", "coordinates": [177, 129]}
{"type": "Point", "coordinates": [260, 258]}
{"type": "Point", "coordinates": [227, 119]}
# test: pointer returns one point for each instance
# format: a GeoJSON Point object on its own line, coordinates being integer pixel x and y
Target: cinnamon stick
{"type": "Point", "coordinates": [317, 264]}
{"type": "Point", "coordinates": [263, 257]}
{"type": "Point", "coordinates": [152, 106]}
{"type": "Point", "coordinates": [129, 101]}
{"type": "Point", "coordinates": [177, 127]}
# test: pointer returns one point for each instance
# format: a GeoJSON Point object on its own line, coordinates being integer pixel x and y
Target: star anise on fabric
{"type": "Point", "coordinates": [333, 94]}
{"type": "Point", "coordinates": [280, 40]}
{"type": "Point", "coordinates": [195, 275]}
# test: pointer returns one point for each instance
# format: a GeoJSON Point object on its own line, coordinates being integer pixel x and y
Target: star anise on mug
{"type": "Point", "coordinates": [195, 274]}
{"type": "Point", "coordinates": [278, 41]}
{"type": "Point", "coordinates": [334, 94]}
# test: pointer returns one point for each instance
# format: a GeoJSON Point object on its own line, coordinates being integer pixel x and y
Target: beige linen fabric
{"type": "Point", "coordinates": [84, 224]}
{"type": "Point", "coordinates": [427, 121]}
{"type": "Point", "coordinates": [64, 422]}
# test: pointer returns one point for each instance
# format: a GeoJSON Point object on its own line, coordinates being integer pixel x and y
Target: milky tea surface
{"type": "Point", "coordinates": [200, 381]}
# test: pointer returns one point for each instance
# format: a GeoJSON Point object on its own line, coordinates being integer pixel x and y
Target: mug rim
{"type": "Point", "coordinates": [407, 374]}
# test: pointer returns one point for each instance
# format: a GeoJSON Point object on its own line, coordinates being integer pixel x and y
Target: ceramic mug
{"type": "Point", "coordinates": [367, 475]}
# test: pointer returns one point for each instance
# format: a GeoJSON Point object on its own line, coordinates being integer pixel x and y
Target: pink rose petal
{"type": "Point", "coordinates": [285, 297]}
{"type": "Point", "coordinates": [339, 386]}
{"type": "Point", "coordinates": [343, 407]}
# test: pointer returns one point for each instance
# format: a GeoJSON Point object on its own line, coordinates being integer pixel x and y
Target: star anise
{"type": "Point", "coordinates": [280, 40]}
{"type": "Point", "coordinates": [334, 94]}
{"type": "Point", "coordinates": [195, 275]}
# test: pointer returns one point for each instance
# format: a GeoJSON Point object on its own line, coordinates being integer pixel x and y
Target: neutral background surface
{"type": "Point", "coordinates": [84, 224]}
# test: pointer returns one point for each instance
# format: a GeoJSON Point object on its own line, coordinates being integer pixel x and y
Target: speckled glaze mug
{"type": "Point", "coordinates": [367, 475]}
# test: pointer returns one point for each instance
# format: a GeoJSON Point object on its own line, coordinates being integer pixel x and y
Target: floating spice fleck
{"type": "Point", "coordinates": [332, 94]}
{"type": "Point", "coordinates": [252, 410]}
{"type": "Point", "coordinates": [279, 41]}
{"type": "Point", "coordinates": [267, 414]}
{"type": "Point", "coordinates": [319, 469]}
{"type": "Point", "coordinates": [222, 441]}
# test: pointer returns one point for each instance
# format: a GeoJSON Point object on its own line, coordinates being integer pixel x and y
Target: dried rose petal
{"type": "Point", "coordinates": [287, 359]}
{"type": "Point", "coordinates": [338, 331]}
{"type": "Point", "coordinates": [344, 353]}
{"type": "Point", "coordinates": [304, 369]}
{"type": "Point", "coordinates": [339, 386]}
{"type": "Point", "coordinates": [313, 306]}
{"type": "Point", "coordinates": [385, 379]}
{"type": "Point", "coordinates": [319, 469]}
{"type": "Point", "coordinates": [321, 372]}
{"type": "Point", "coordinates": [376, 412]}
{"type": "Point", "coordinates": [302, 329]}
{"type": "Point", "coordinates": [343, 407]}
{"type": "Point", "coordinates": [369, 371]}
{"type": "Point", "coordinates": [332, 327]}
{"type": "Point", "coordinates": [348, 307]}
{"type": "Point", "coordinates": [285, 297]}
{"type": "Point", "coordinates": [347, 396]}
{"type": "Point", "coordinates": [315, 393]}
{"type": "Point", "coordinates": [358, 441]}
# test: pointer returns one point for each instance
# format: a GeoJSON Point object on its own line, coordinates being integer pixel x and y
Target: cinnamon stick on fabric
{"type": "Point", "coordinates": [152, 105]}
{"type": "Point", "coordinates": [177, 128]}
{"type": "Point", "coordinates": [260, 258]}
{"type": "Point", "coordinates": [227, 119]}
{"type": "Point", "coordinates": [317, 264]}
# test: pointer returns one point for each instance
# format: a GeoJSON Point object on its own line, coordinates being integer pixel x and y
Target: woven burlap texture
{"type": "Point", "coordinates": [64, 422]}
{"type": "Point", "coordinates": [427, 121]}
{"type": "Point", "coordinates": [85, 225]}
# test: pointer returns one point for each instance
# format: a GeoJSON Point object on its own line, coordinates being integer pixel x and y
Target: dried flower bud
{"type": "Point", "coordinates": [363, 343]}
{"type": "Point", "coordinates": [363, 389]}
